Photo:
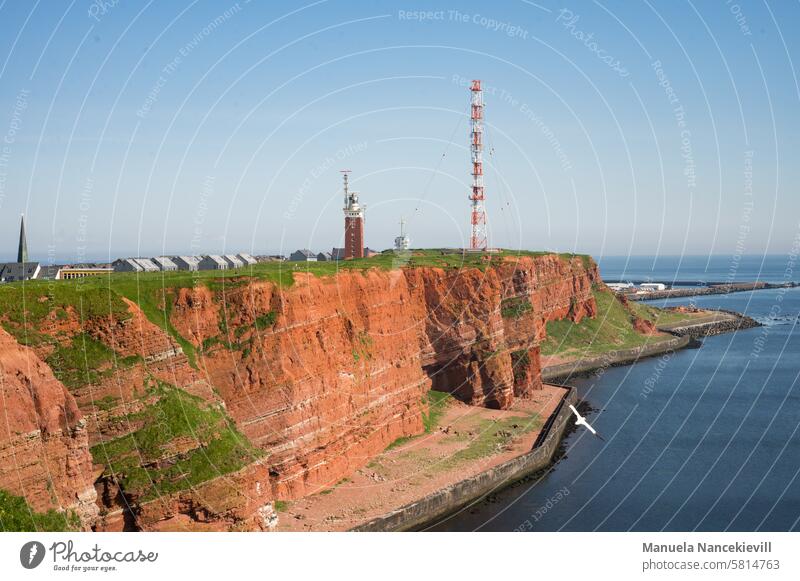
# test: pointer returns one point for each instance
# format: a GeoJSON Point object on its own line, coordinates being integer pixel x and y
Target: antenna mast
{"type": "Point", "coordinates": [478, 238]}
{"type": "Point", "coordinates": [345, 172]}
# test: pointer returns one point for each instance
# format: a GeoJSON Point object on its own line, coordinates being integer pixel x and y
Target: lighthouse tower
{"type": "Point", "coordinates": [353, 223]}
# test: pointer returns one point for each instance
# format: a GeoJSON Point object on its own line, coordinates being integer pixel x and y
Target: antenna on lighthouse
{"type": "Point", "coordinates": [345, 172]}
{"type": "Point", "coordinates": [478, 238]}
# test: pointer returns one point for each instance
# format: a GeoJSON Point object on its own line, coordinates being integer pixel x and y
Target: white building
{"type": "Point", "coordinates": [247, 259]}
{"type": "Point", "coordinates": [233, 261]}
{"type": "Point", "coordinates": [652, 286]}
{"type": "Point", "coordinates": [619, 287]}
{"type": "Point", "coordinates": [147, 264]}
{"type": "Point", "coordinates": [164, 263]}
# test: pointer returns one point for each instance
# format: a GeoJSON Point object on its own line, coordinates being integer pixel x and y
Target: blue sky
{"type": "Point", "coordinates": [132, 128]}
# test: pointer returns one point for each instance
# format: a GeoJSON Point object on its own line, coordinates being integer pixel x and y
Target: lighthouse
{"type": "Point", "coordinates": [353, 223]}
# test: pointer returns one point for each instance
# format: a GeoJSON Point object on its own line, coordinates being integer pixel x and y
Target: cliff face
{"type": "Point", "coordinates": [44, 454]}
{"type": "Point", "coordinates": [485, 325]}
{"type": "Point", "coordinates": [323, 376]}
{"type": "Point", "coordinates": [315, 378]}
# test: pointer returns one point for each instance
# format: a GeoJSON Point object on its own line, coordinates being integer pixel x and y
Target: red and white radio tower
{"type": "Point", "coordinates": [478, 239]}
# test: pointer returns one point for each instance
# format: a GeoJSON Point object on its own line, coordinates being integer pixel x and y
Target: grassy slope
{"type": "Point", "coordinates": [611, 329]}
{"type": "Point", "coordinates": [144, 461]}
{"type": "Point", "coordinates": [17, 516]}
{"type": "Point", "coordinates": [662, 317]}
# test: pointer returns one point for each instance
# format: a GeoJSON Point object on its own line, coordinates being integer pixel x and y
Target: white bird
{"type": "Point", "coordinates": [581, 421]}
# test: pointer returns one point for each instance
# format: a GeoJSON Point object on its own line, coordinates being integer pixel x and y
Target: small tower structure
{"type": "Point", "coordinates": [402, 242]}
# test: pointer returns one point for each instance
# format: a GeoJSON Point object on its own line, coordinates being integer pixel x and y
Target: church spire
{"type": "Point", "coordinates": [22, 253]}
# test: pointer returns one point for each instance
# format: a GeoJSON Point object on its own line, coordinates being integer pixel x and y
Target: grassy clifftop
{"type": "Point", "coordinates": [25, 307]}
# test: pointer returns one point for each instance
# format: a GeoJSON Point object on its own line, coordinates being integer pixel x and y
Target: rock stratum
{"type": "Point", "coordinates": [200, 404]}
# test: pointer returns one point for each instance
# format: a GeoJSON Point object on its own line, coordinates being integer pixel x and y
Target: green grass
{"type": "Point", "coordinates": [281, 505]}
{"type": "Point", "coordinates": [84, 361]}
{"type": "Point", "coordinates": [25, 306]}
{"type": "Point", "coordinates": [266, 321]}
{"type": "Point", "coordinates": [493, 436]}
{"type": "Point", "coordinates": [107, 402]}
{"type": "Point", "coordinates": [437, 405]}
{"type": "Point", "coordinates": [399, 442]}
{"type": "Point", "coordinates": [143, 462]}
{"type": "Point", "coordinates": [17, 516]}
{"type": "Point", "coordinates": [515, 307]}
{"type": "Point", "coordinates": [610, 330]}
{"type": "Point", "coordinates": [658, 316]}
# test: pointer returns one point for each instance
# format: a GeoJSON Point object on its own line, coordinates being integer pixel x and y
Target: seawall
{"type": "Point", "coordinates": [562, 371]}
{"type": "Point", "coordinates": [447, 500]}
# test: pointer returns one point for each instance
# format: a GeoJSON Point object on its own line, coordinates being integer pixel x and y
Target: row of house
{"type": "Point", "coordinates": [170, 263]}
{"type": "Point", "coordinates": [336, 254]}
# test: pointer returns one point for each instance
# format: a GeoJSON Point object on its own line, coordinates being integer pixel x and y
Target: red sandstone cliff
{"type": "Point", "coordinates": [320, 376]}
{"type": "Point", "coordinates": [44, 455]}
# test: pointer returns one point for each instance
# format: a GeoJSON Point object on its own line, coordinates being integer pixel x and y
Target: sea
{"type": "Point", "coordinates": [704, 439]}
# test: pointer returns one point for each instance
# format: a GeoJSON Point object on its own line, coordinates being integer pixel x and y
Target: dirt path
{"type": "Point", "coordinates": [467, 441]}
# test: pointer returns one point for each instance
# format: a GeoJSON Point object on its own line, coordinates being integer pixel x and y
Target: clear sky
{"type": "Point", "coordinates": [142, 128]}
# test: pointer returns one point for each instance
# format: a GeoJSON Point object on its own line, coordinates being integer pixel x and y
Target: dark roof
{"type": "Point", "coordinates": [305, 252]}
{"type": "Point", "coordinates": [337, 253]}
{"type": "Point", "coordinates": [18, 270]}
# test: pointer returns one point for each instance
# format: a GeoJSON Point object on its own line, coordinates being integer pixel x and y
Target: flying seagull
{"type": "Point", "coordinates": [581, 421]}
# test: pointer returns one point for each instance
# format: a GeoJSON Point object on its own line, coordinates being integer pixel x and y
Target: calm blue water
{"type": "Point", "coordinates": [707, 439]}
{"type": "Point", "coordinates": [677, 269]}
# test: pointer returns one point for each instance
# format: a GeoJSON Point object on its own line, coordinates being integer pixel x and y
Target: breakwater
{"type": "Point", "coordinates": [710, 289]}
{"type": "Point", "coordinates": [724, 322]}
